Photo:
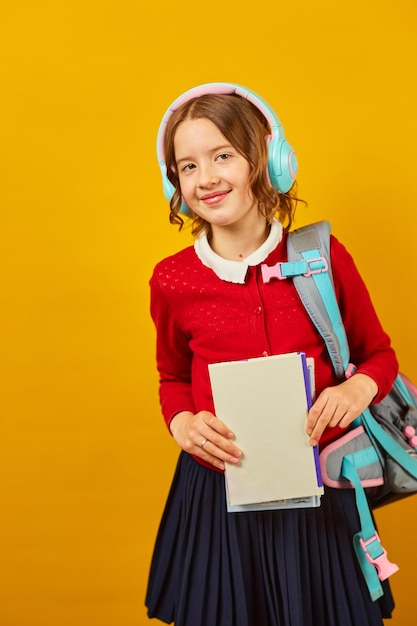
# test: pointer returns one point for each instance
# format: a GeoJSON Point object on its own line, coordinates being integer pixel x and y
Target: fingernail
{"type": "Point", "coordinates": [230, 435]}
{"type": "Point", "coordinates": [312, 442]}
{"type": "Point", "coordinates": [237, 453]}
{"type": "Point", "coordinates": [309, 431]}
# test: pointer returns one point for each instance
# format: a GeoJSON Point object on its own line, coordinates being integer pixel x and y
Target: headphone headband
{"type": "Point", "coordinates": [282, 161]}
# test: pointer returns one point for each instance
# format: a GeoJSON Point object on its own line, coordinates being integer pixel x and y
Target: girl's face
{"type": "Point", "coordinates": [213, 175]}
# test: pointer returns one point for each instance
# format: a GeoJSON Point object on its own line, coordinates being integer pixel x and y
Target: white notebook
{"type": "Point", "coordinates": [265, 401]}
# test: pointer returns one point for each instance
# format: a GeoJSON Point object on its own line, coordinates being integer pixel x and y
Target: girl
{"type": "Point", "coordinates": [226, 163]}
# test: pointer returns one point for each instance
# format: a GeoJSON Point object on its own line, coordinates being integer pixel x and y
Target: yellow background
{"type": "Point", "coordinates": [85, 460]}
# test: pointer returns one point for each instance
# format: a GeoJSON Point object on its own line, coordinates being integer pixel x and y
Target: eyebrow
{"type": "Point", "coordinates": [216, 149]}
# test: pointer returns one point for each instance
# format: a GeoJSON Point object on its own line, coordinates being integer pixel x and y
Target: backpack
{"type": "Point", "coordinates": [377, 457]}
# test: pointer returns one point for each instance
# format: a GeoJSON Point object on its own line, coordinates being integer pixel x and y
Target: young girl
{"type": "Point", "coordinates": [226, 163]}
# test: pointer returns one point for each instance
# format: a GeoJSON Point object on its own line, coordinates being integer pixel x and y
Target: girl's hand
{"type": "Point", "coordinates": [204, 435]}
{"type": "Point", "coordinates": [340, 405]}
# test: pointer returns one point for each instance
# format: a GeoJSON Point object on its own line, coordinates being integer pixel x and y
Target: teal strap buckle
{"type": "Point", "coordinates": [368, 570]}
{"type": "Point", "coordinates": [372, 557]}
{"type": "Point", "coordinates": [281, 271]}
{"type": "Point", "coordinates": [377, 556]}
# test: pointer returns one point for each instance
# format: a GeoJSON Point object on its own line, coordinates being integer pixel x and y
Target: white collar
{"type": "Point", "coordinates": [235, 271]}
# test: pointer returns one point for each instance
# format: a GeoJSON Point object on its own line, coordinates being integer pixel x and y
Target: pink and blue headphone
{"type": "Point", "coordinates": [282, 160]}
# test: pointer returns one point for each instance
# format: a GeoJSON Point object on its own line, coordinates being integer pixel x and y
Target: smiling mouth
{"type": "Point", "coordinates": [215, 197]}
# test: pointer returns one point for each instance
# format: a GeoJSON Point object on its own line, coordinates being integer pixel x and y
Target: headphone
{"type": "Point", "coordinates": [282, 160]}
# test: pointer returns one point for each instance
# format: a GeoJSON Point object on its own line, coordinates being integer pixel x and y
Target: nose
{"type": "Point", "coordinates": [208, 175]}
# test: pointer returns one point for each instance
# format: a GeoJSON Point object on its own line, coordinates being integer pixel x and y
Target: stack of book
{"type": "Point", "coordinates": [265, 402]}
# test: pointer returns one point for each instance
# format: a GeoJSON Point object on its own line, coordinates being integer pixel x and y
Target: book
{"type": "Point", "coordinates": [265, 401]}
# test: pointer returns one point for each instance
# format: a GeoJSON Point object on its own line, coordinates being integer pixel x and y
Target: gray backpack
{"type": "Point", "coordinates": [379, 452]}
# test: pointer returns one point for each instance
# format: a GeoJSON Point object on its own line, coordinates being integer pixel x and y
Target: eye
{"type": "Point", "coordinates": [224, 156]}
{"type": "Point", "coordinates": [188, 167]}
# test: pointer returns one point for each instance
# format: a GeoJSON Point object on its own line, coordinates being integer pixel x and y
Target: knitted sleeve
{"type": "Point", "coordinates": [173, 353]}
{"type": "Point", "coordinates": [370, 346]}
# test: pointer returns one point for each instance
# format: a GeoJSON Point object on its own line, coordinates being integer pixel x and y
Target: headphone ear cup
{"type": "Point", "coordinates": [169, 190]}
{"type": "Point", "coordinates": [282, 164]}
{"type": "Point", "coordinates": [167, 186]}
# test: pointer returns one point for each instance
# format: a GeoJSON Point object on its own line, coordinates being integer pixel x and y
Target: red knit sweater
{"type": "Point", "coordinates": [201, 319]}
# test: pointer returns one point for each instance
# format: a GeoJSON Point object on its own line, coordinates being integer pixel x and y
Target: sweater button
{"type": "Point", "coordinates": [258, 310]}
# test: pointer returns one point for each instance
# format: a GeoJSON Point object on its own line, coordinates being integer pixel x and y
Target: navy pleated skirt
{"type": "Point", "coordinates": [272, 568]}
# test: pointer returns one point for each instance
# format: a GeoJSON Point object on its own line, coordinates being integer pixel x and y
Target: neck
{"type": "Point", "coordinates": [236, 244]}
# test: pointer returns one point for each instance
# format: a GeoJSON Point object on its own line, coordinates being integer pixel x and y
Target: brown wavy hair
{"type": "Point", "coordinates": [247, 130]}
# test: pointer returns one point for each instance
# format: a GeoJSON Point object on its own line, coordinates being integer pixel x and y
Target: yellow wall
{"type": "Point", "coordinates": [85, 462]}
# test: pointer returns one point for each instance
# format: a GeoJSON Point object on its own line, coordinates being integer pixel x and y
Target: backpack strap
{"type": "Point", "coordinates": [372, 557]}
{"type": "Point", "coordinates": [318, 294]}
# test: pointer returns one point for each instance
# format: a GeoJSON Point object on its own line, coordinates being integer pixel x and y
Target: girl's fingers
{"type": "Point", "coordinates": [340, 405]}
{"type": "Point", "coordinates": [217, 456]}
{"type": "Point", "coordinates": [218, 448]}
{"type": "Point", "coordinates": [205, 436]}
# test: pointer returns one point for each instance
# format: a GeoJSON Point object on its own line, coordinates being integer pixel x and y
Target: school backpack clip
{"type": "Point", "coordinates": [379, 451]}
